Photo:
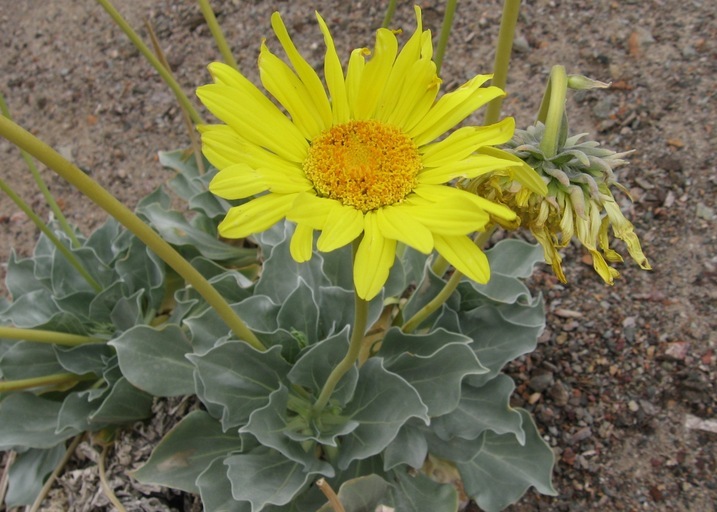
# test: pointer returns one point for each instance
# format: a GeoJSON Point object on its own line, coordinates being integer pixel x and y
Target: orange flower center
{"type": "Point", "coordinates": [364, 164]}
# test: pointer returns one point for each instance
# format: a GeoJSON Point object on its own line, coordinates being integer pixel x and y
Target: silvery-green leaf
{"type": "Point", "coordinates": [76, 410]}
{"type": "Point", "coordinates": [124, 404]}
{"type": "Point", "coordinates": [414, 265]}
{"type": "Point", "coordinates": [434, 364]}
{"type": "Point", "coordinates": [418, 493]}
{"type": "Point", "coordinates": [186, 451]}
{"type": "Point", "coordinates": [381, 404]}
{"type": "Point", "coordinates": [316, 364]}
{"type": "Point", "coordinates": [503, 469]}
{"type": "Point", "coordinates": [240, 378]}
{"type": "Point", "coordinates": [67, 280]}
{"type": "Point", "coordinates": [20, 278]}
{"type": "Point", "coordinates": [259, 312]}
{"type": "Point", "coordinates": [216, 490]}
{"type": "Point", "coordinates": [103, 240]}
{"type": "Point", "coordinates": [362, 494]}
{"type": "Point", "coordinates": [502, 333]}
{"type": "Point", "coordinates": [265, 477]}
{"type": "Point", "coordinates": [141, 269]}
{"type": "Point", "coordinates": [38, 310]}
{"type": "Point", "coordinates": [271, 426]}
{"type": "Point", "coordinates": [281, 273]}
{"type": "Point", "coordinates": [483, 408]}
{"type": "Point", "coordinates": [128, 312]}
{"type": "Point", "coordinates": [338, 268]}
{"type": "Point", "coordinates": [299, 312]}
{"type": "Point", "coordinates": [25, 360]}
{"type": "Point", "coordinates": [336, 310]}
{"type": "Point", "coordinates": [87, 358]}
{"type": "Point", "coordinates": [28, 472]}
{"type": "Point", "coordinates": [409, 447]}
{"type": "Point", "coordinates": [105, 301]}
{"type": "Point", "coordinates": [154, 359]}
{"type": "Point", "coordinates": [27, 420]}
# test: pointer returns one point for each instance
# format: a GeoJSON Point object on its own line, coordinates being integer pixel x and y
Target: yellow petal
{"type": "Point", "coordinates": [452, 108]}
{"type": "Point", "coordinates": [256, 215]}
{"type": "Point", "coordinates": [354, 75]}
{"type": "Point", "coordinates": [397, 79]}
{"type": "Point", "coordinates": [419, 92]}
{"type": "Point", "coordinates": [287, 88]}
{"type": "Point", "coordinates": [470, 167]}
{"type": "Point", "coordinates": [304, 70]}
{"type": "Point", "coordinates": [465, 256]}
{"type": "Point", "coordinates": [311, 210]}
{"type": "Point", "coordinates": [624, 230]}
{"type": "Point", "coordinates": [525, 175]}
{"type": "Point", "coordinates": [223, 147]}
{"type": "Point", "coordinates": [343, 225]}
{"type": "Point", "coordinates": [550, 252]}
{"type": "Point", "coordinates": [467, 140]}
{"type": "Point", "coordinates": [237, 182]}
{"type": "Point", "coordinates": [397, 223]}
{"type": "Point", "coordinates": [334, 75]}
{"type": "Point", "coordinates": [434, 193]}
{"type": "Point", "coordinates": [375, 74]}
{"type": "Point", "coordinates": [455, 216]}
{"type": "Point", "coordinates": [259, 122]}
{"type": "Point", "coordinates": [374, 258]}
{"type": "Point", "coordinates": [302, 242]}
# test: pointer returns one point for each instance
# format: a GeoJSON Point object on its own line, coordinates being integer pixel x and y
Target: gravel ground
{"type": "Point", "coordinates": [623, 383]}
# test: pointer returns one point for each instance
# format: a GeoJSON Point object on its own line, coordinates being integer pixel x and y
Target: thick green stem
{"type": "Point", "coordinates": [217, 33]}
{"type": "Point", "coordinates": [360, 319]}
{"type": "Point", "coordinates": [35, 382]}
{"type": "Point", "coordinates": [445, 33]}
{"type": "Point", "coordinates": [44, 153]}
{"type": "Point", "coordinates": [511, 9]}
{"type": "Point", "coordinates": [154, 61]}
{"type": "Point", "coordinates": [51, 337]}
{"type": "Point", "coordinates": [552, 110]}
{"type": "Point", "coordinates": [4, 187]}
{"type": "Point", "coordinates": [390, 10]}
{"type": "Point", "coordinates": [42, 186]}
{"type": "Point", "coordinates": [447, 290]}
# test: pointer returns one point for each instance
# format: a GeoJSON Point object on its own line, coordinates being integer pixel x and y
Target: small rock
{"type": "Point", "coordinates": [632, 405]}
{"type": "Point", "coordinates": [559, 394]}
{"type": "Point", "coordinates": [705, 212]}
{"type": "Point", "coordinates": [581, 435]}
{"type": "Point", "coordinates": [541, 381]}
{"type": "Point", "coordinates": [677, 350]}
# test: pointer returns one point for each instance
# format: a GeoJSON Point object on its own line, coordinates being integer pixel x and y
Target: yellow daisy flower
{"type": "Point", "coordinates": [361, 161]}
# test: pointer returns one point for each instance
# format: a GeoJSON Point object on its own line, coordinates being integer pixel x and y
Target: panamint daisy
{"type": "Point", "coordinates": [360, 159]}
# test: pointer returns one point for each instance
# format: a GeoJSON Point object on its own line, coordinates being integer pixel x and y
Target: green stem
{"type": "Point", "coordinates": [509, 19]}
{"type": "Point", "coordinates": [435, 303]}
{"type": "Point", "coordinates": [4, 187]}
{"type": "Point", "coordinates": [55, 473]}
{"type": "Point", "coordinates": [447, 289]}
{"type": "Point", "coordinates": [40, 336]}
{"type": "Point", "coordinates": [445, 33]}
{"type": "Point", "coordinates": [217, 33]}
{"type": "Point", "coordinates": [44, 153]}
{"type": "Point", "coordinates": [154, 61]}
{"type": "Point", "coordinates": [360, 319]}
{"type": "Point", "coordinates": [42, 186]}
{"type": "Point", "coordinates": [552, 110]}
{"type": "Point", "coordinates": [440, 266]}
{"type": "Point", "coordinates": [34, 382]}
{"type": "Point", "coordinates": [390, 10]}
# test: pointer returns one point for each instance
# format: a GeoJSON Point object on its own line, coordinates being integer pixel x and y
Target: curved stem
{"type": "Point", "coordinates": [435, 303]}
{"type": "Point", "coordinates": [42, 186]}
{"type": "Point", "coordinates": [447, 290]}
{"type": "Point", "coordinates": [103, 480]}
{"type": "Point", "coordinates": [390, 10]}
{"type": "Point", "coordinates": [360, 319]}
{"type": "Point", "coordinates": [36, 382]}
{"type": "Point", "coordinates": [440, 266]}
{"type": "Point", "coordinates": [40, 336]}
{"type": "Point", "coordinates": [44, 153]}
{"type": "Point", "coordinates": [552, 110]}
{"type": "Point", "coordinates": [334, 501]}
{"type": "Point", "coordinates": [55, 473]}
{"type": "Point", "coordinates": [71, 258]}
{"type": "Point", "coordinates": [509, 19]}
{"type": "Point", "coordinates": [147, 53]}
{"type": "Point", "coordinates": [445, 33]}
{"type": "Point", "coordinates": [217, 33]}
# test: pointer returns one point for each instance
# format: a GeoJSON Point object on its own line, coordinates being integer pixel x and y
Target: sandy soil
{"type": "Point", "coordinates": [622, 373]}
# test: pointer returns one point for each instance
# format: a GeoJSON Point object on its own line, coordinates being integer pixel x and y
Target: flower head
{"type": "Point", "coordinates": [579, 200]}
{"type": "Point", "coordinates": [358, 159]}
